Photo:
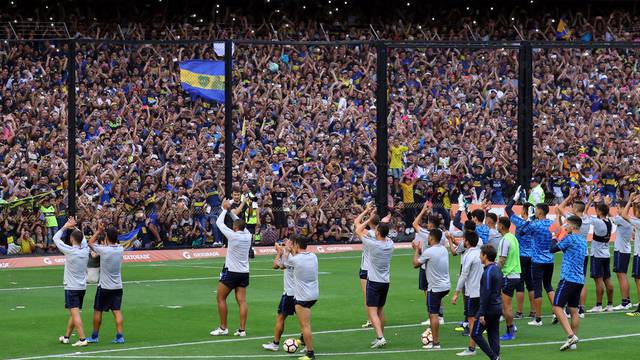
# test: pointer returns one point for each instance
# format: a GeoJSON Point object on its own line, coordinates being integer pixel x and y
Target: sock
{"type": "Point", "coordinates": [83, 339]}
{"type": "Point", "coordinates": [310, 354]}
{"type": "Point", "coordinates": [302, 340]}
{"type": "Point", "coordinates": [625, 302]}
{"type": "Point", "coordinates": [119, 336]}
{"type": "Point", "coordinates": [518, 314]}
{"type": "Point", "coordinates": [538, 318]}
{"type": "Point", "coordinates": [241, 330]}
{"type": "Point", "coordinates": [581, 308]}
{"type": "Point", "coordinates": [472, 349]}
{"type": "Point", "coordinates": [532, 314]}
{"type": "Point", "coordinates": [510, 329]}
{"type": "Point", "coordinates": [94, 334]}
{"type": "Point", "coordinates": [609, 303]}
{"type": "Point", "coordinates": [598, 304]}
{"type": "Point", "coordinates": [276, 342]}
{"type": "Point", "coordinates": [66, 337]}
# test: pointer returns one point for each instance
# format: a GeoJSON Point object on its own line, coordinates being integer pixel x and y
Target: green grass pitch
{"type": "Point", "coordinates": [169, 309]}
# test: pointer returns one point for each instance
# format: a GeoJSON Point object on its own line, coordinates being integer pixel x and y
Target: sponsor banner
{"type": "Point", "coordinates": [182, 254]}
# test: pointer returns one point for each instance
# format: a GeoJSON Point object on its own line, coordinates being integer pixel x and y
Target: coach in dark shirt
{"type": "Point", "coordinates": [490, 305]}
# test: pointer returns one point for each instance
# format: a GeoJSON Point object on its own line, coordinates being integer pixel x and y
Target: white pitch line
{"type": "Point", "coordinates": [380, 352]}
{"type": "Point", "coordinates": [147, 281]}
{"type": "Point", "coordinates": [204, 342]}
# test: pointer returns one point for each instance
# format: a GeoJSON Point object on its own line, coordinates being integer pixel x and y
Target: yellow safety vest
{"type": "Point", "coordinates": [49, 215]}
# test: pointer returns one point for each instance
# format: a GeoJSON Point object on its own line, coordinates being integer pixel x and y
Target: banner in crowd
{"type": "Point", "coordinates": [181, 254]}
{"type": "Point", "coordinates": [203, 78]}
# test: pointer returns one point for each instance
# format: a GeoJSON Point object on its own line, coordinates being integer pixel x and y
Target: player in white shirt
{"type": "Point", "coordinates": [235, 273]}
{"type": "Point", "coordinates": [622, 257]}
{"type": "Point", "coordinates": [436, 259]}
{"type": "Point", "coordinates": [287, 304]}
{"type": "Point", "coordinates": [75, 278]}
{"type": "Point", "coordinates": [422, 241]}
{"type": "Point", "coordinates": [364, 266]}
{"type": "Point", "coordinates": [306, 288]}
{"type": "Point", "coordinates": [109, 292]}
{"type": "Point", "coordinates": [634, 201]}
{"type": "Point", "coordinates": [380, 249]}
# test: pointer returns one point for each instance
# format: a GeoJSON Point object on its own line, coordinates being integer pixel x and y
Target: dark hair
{"type": "Point", "coordinates": [478, 214]}
{"type": "Point", "coordinates": [526, 206]}
{"type": "Point", "coordinates": [239, 224]}
{"type": "Point", "coordinates": [299, 240]}
{"type": "Point", "coordinates": [580, 206]}
{"type": "Point", "coordinates": [493, 217]}
{"type": "Point", "coordinates": [543, 207]}
{"type": "Point", "coordinates": [436, 234]}
{"type": "Point", "coordinates": [469, 225]}
{"type": "Point", "coordinates": [383, 229]}
{"type": "Point", "coordinates": [76, 236]}
{"type": "Point", "coordinates": [375, 219]}
{"type": "Point", "coordinates": [575, 221]}
{"type": "Point", "coordinates": [603, 209]}
{"type": "Point", "coordinates": [489, 251]}
{"type": "Point", "coordinates": [434, 220]}
{"type": "Point", "coordinates": [112, 236]}
{"type": "Point", "coordinates": [471, 237]}
{"type": "Point", "coordinates": [505, 222]}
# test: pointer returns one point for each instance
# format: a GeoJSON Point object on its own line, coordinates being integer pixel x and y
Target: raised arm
{"type": "Point", "coordinates": [57, 238]}
{"type": "Point", "coordinates": [220, 221]}
{"type": "Point", "coordinates": [99, 231]}
{"type": "Point", "coordinates": [360, 225]}
{"type": "Point", "coordinates": [418, 220]}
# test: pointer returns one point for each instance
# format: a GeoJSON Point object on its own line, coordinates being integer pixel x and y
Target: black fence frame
{"type": "Point", "coordinates": [525, 95]}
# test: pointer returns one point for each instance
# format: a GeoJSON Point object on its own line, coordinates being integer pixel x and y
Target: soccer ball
{"type": "Point", "coordinates": [290, 346]}
{"type": "Point", "coordinates": [427, 337]}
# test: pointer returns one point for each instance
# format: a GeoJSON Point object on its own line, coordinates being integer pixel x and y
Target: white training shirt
{"type": "Point", "coordinates": [599, 249]}
{"type": "Point", "coordinates": [423, 235]}
{"type": "Point", "coordinates": [436, 259]}
{"type": "Point", "coordinates": [75, 262]}
{"type": "Point", "coordinates": [239, 243]}
{"type": "Point", "coordinates": [380, 252]}
{"type": "Point", "coordinates": [110, 265]}
{"type": "Point", "coordinates": [471, 274]}
{"type": "Point", "coordinates": [624, 232]}
{"type": "Point", "coordinates": [364, 262]}
{"type": "Point", "coordinates": [636, 224]}
{"type": "Point", "coordinates": [305, 270]}
{"type": "Point", "coordinates": [289, 279]}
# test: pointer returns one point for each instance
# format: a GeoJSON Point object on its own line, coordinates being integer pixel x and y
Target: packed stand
{"type": "Point", "coordinates": [586, 122]}
{"type": "Point", "coordinates": [150, 158]}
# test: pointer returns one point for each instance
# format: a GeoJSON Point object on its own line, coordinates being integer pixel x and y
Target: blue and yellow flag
{"type": "Point", "coordinates": [563, 31]}
{"type": "Point", "coordinates": [203, 78]}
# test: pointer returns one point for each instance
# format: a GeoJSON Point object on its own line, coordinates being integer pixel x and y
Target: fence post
{"type": "Point", "coordinates": [382, 146]}
{"type": "Point", "coordinates": [525, 114]}
{"type": "Point", "coordinates": [228, 121]}
{"type": "Point", "coordinates": [71, 128]}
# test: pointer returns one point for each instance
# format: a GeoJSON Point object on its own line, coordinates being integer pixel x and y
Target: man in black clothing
{"type": "Point", "coordinates": [490, 305]}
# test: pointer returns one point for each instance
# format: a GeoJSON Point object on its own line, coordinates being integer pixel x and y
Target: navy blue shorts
{"type": "Point", "coordinates": [473, 306]}
{"type": "Point", "coordinates": [73, 299]}
{"type": "Point", "coordinates": [422, 279]}
{"type": "Point", "coordinates": [509, 286]}
{"type": "Point", "coordinates": [568, 294]}
{"type": "Point", "coordinates": [636, 267]}
{"type": "Point", "coordinates": [541, 274]}
{"type": "Point", "coordinates": [600, 268]}
{"type": "Point", "coordinates": [621, 262]}
{"type": "Point", "coordinates": [107, 299]}
{"type": "Point", "coordinates": [287, 306]}
{"type": "Point", "coordinates": [377, 293]}
{"type": "Point", "coordinates": [306, 304]}
{"type": "Point", "coordinates": [234, 280]}
{"type": "Point", "coordinates": [434, 301]}
{"type": "Point", "coordinates": [363, 274]}
{"type": "Point", "coordinates": [525, 276]}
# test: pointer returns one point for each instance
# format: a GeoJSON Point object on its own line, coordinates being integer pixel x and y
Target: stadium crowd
{"type": "Point", "coordinates": [150, 157]}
